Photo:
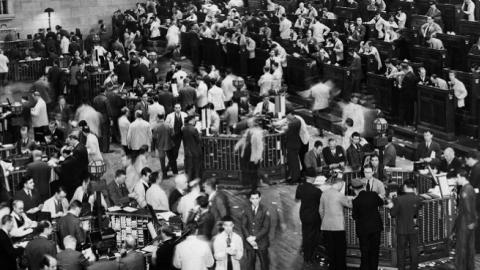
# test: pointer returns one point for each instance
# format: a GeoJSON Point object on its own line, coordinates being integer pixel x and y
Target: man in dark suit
{"type": "Point", "coordinates": [187, 95]}
{"type": "Point", "coordinates": [173, 69]}
{"type": "Point", "coordinates": [117, 191]}
{"type": "Point", "coordinates": [70, 223]}
{"type": "Point", "coordinates": [219, 204]}
{"type": "Point", "coordinates": [54, 135]}
{"type": "Point", "coordinates": [293, 145]}
{"type": "Point", "coordinates": [41, 173]}
{"type": "Point", "coordinates": [255, 229]}
{"type": "Point", "coordinates": [201, 218]}
{"type": "Point", "coordinates": [102, 105]}
{"type": "Point", "coordinates": [116, 105]}
{"type": "Point", "coordinates": [192, 148]}
{"type": "Point", "coordinates": [390, 153]}
{"type": "Point", "coordinates": [75, 167]}
{"type": "Point", "coordinates": [32, 202]}
{"type": "Point", "coordinates": [472, 161]}
{"type": "Point", "coordinates": [132, 259]}
{"type": "Point", "coordinates": [8, 254]}
{"type": "Point", "coordinates": [356, 73]}
{"type": "Point", "coordinates": [450, 164]}
{"type": "Point", "coordinates": [368, 223]}
{"type": "Point", "coordinates": [405, 210]}
{"type": "Point", "coordinates": [333, 154]}
{"type": "Point", "coordinates": [408, 96]}
{"type": "Point", "coordinates": [40, 246]}
{"type": "Point", "coordinates": [104, 262]}
{"type": "Point", "coordinates": [165, 251]}
{"type": "Point", "coordinates": [355, 152]}
{"type": "Point", "coordinates": [123, 72]}
{"type": "Point", "coordinates": [162, 135]}
{"type": "Point", "coordinates": [165, 98]}
{"type": "Point", "coordinates": [62, 112]}
{"type": "Point", "coordinates": [428, 151]}
{"type": "Point", "coordinates": [69, 258]}
{"type": "Point", "coordinates": [313, 159]}
{"type": "Point", "coordinates": [142, 105]}
{"type": "Point", "coordinates": [54, 78]}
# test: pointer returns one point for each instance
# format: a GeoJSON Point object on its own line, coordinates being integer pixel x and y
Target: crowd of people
{"type": "Point", "coordinates": [75, 126]}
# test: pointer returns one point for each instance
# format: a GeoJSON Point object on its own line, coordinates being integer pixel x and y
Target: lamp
{"type": "Point", "coordinates": [97, 168]}
{"type": "Point", "coordinates": [49, 10]}
{"type": "Point", "coordinates": [238, 83]}
{"type": "Point", "coordinates": [380, 125]}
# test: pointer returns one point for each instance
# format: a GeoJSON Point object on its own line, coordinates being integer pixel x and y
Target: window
{"type": "Point", "coordinates": [4, 7]}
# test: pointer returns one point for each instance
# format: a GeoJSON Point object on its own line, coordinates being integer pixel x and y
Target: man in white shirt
{"type": "Point", "coordinates": [193, 253]}
{"type": "Point", "coordinates": [154, 110]}
{"type": "Point", "coordinates": [57, 205]}
{"type": "Point", "coordinates": [301, 10]}
{"type": "Point", "coordinates": [438, 82]}
{"type": "Point", "coordinates": [265, 82]}
{"type": "Point", "coordinates": [401, 18]}
{"type": "Point", "coordinates": [156, 196]}
{"type": "Point", "coordinates": [3, 67]}
{"type": "Point", "coordinates": [264, 107]}
{"type": "Point", "coordinates": [39, 117]}
{"type": "Point", "coordinates": [202, 93]}
{"type": "Point", "coordinates": [187, 202]}
{"type": "Point", "coordinates": [216, 96]}
{"type": "Point", "coordinates": [139, 133]}
{"type": "Point", "coordinates": [64, 44]}
{"type": "Point", "coordinates": [468, 9]}
{"type": "Point", "coordinates": [179, 76]}
{"type": "Point", "coordinates": [22, 225]}
{"type": "Point", "coordinates": [285, 27]}
{"type": "Point", "coordinates": [227, 85]}
{"type": "Point", "coordinates": [458, 88]}
{"type": "Point", "coordinates": [123, 126]}
{"type": "Point", "coordinates": [319, 30]}
{"type": "Point", "coordinates": [228, 246]}
{"type": "Point", "coordinates": [141, 187]}
{"type": "Point", "coordinates": [277, 76]}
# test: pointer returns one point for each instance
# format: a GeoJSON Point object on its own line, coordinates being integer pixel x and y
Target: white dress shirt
{"type": "Point", "coordinates": [193, 254]}
{"type": "Point", "coordinates": [39, 114]}
{"type": "Point", "coordinates": [157, 198]}
{"type": "Point", "coordinates": [140, 193]}
{"type": "Point", "coordinates": [220, 250]}
{"type": "Point", "coordinates": [93, 148]}
{"type": "Point", "coordinates": [217, 97]}
{"type": "Point", "coordinates": [22, 230]}
{"type": "Point", "coordinates": [187, 203]}
{"type": "Point", "coordinates": [139, 134]}
{"type": "Point", "coordinates": [49, 206]}
{"type": "Point", "coordinates": [123, 125]}
{"type": "Point", "coordinates": [265, 83]}
{"type": "Point", "coordinates": [285, 28]}
{"type": "Point", "coordinates": [154, 110]}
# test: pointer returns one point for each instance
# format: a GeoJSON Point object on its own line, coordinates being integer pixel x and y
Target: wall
{"type": "Point", "coordinates": [70, 14]}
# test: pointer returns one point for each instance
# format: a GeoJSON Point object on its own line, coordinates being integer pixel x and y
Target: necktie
{"type": "Point", "coordinates": [30, 194]}
{"type": "Point", "coordinates": [58, 207]}
{"type": "Point", "coordinates": [229, 257]}
{"type": "Point", "coordinates": [368, 186]}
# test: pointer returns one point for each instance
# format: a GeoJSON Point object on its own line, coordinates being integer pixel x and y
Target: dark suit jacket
{"type": "Point", "coordinates": [166, 100]}
{"type": "Point", "coordinates": [365, 212]}
{"type": "Point", "coordinates": [356, 68]}
{"type": "Point", "coordinates": [474, 178]}
{"type": "Point", "coordinates": [390, 155]}
{"type": "Point", "coordinates": [70, 259]}
{"type": "Point", "coordinates": [162, 135]}
{"type": "Point", "coordinates": [256, 225]}
{"type": "Point", "coordinates": [36, 249]}
{"type": "Point", "coordinates": [205, 223]}
{"type": "Point", "coordinates": [57, 137]}
{"type": "Point", "coordinates": [116, 104]}
{"type": "Point", "coordinates": [331, 158]}
{"type": "Point", "coordinates": [8, 254]}
{"type": "Point", "coordinates": [66, 113]}
{"type": "Point", "coordinates": [73, 169]}
{"type": "Point", "coordinates": [70, 225]}
{"type": "Point", "coordinates": [165, 253]}
{"type": "Point", "coordinates": [115, 194]}
{"type": "Point", "coordinates": [355, 156]}
{"type": "Point", "coordinates": [187, 96]}
{"type": "Point", "coordinates": [191, 141]}
{"type": "Point", "coordinates": [40, 172]}
{"type": "Point", "coordinates": [292, 135]}
{"type": "Point", "coordinates": [409, 86]}
{"type": "Point", "coordinates": [140, 106]}
{"type": "Point", "coordinates": [105, 264]}
{"type": "Point", "coordinates": [424, 152]}
{"type": "Point", "coordinates": [29, 202]}
{"type": "Point", "coordinates": [313, 163]}
{"type": "Point", "coordinates": [452, 168]}
{"type": "Point", "coordinates": [134, 260]}
{"type": "Point", "coordinates": [123, 71]}
{"type": "Point", "coordinates": [405, 209]}
{"type": "Point", "coordinates": [102, 105]}
{"type": "Point", "coordinates": [219, 205]}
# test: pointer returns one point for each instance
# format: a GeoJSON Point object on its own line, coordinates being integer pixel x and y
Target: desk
{"type": "Point", "coordinates": [433, 60]}
{"type": "Point", "coordinates": [382, 88]}
{"type": "Point", "coordinates": [436, 111]}
{"type": "Point", "coordinates": [457, 47]}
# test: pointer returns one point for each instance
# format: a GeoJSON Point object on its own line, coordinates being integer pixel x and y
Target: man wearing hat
{"type": "Point", "coordinates": [474, 178]}
{"type": "Point", "coordinates": [434, 12]}
{"type": "Point", "coordinates": [192, 147]}
{"type": "Point", "coordinates": [368, 223]}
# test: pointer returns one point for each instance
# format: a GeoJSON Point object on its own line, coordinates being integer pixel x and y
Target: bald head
{"type": "Point", "coordinates": [37, 154]}
{"type": "Point", "coordinates": [70, 242]}
{"type": "Point", "coordinates": [449, 154]}
{"type": "Point", "coordinates": [130, 242]}
{"type": "Point", "coordinates": [181, 181]}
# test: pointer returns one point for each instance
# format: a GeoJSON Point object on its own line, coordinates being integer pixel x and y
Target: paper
{"type": "Point", "coordinates": [165, 215]}
{"type": "Point", "coordinates": [129, 209]}
{"type": "Point", "coordinates": [149, 249]}
{"type": "Point", "coordinates": [114, 209]}
{"type": "Point", "coordinates": [432, 155]}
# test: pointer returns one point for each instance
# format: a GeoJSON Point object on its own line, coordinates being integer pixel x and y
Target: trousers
{"type": "Point", "coordinates": [369, 248]}
{"type": "Point", "coordinates": [336, 244]}
{"type": "Point", "coordinates": [262, 256]}
{"type": "Point", "coordinates": [402, 241]}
